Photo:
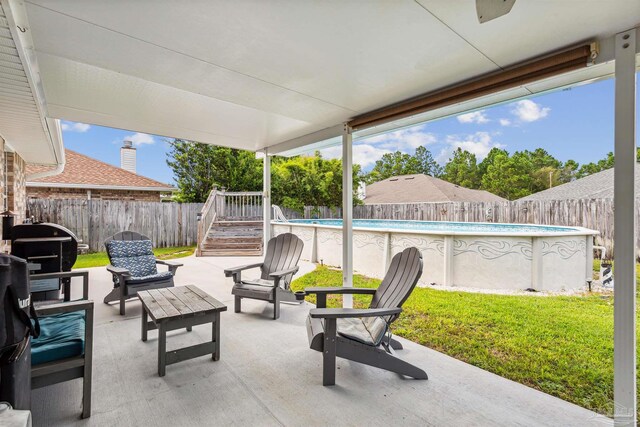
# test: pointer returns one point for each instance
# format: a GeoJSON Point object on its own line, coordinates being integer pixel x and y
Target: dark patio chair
{"type": "Point", "coordinates": [279, 265]}
{"type": "Point", "coordinates": [134, 267]}
{"type": "Point", "coordinates": [64, 349]}
{"type": "Point", "coordinates": [362, 335]}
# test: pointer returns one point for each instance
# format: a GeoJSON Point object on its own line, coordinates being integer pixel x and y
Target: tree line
{"type": "Point", "coordinates": [296, 182]}
{"type": "Point", "coordinates": [315, 181]}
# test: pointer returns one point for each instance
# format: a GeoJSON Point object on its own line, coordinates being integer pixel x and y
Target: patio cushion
{"type": "Point", "coordinates": [367, 330]}
{"type": "Point", "coordinates": [61, 336]}
{"type": "Point", "coordinates": [134, 255]}
{"type": "Point", "coordinates": [150, 278]}
{"type": "Point", "coordinates": [259, 282]}
{"type": "Point", "coordinates": [44, 285]}
{"type": "Point", "coordinates": [254, 290]}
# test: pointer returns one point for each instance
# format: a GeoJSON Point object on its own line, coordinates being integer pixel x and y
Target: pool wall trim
{"type": "Point", "coordinates": [501, 260]}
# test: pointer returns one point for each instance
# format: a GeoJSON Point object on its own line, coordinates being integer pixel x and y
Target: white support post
{"type": "Point", "coordinates": [347, 213]}
{"type": "Point", "coordinates": [624, 360]}
{"type": "Point", "coordinates": [266, 197]}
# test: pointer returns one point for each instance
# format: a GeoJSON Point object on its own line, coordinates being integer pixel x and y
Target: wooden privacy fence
{"type": "Point", "coordinates": [92, 221]}
{"type": "Point", "coordinates": [596, 214]}
{"type": "Point", "coordinates": [174, 224]}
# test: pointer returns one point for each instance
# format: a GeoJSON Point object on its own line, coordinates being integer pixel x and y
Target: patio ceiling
{"type": "Point", "coordinates": [255, 74]}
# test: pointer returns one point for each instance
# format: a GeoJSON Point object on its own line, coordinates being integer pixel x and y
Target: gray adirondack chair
{"type": "Point", "coordinates": [133, 266]}
{"type": "Point", "coordinates": [276, 271]}
{"type": "Point", "coordinates": [362, 335]}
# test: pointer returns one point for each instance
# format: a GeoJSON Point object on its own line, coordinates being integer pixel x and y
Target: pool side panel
{"type": "Point", "coordinates": [506, 261]}
{"type": "Point", "coordinates": [492, 262]}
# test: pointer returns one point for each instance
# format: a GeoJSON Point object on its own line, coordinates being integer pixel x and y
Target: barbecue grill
{"type": "Point", "coordinates": [48, 248]}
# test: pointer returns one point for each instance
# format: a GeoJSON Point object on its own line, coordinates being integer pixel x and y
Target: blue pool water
{"type": "Point", "coordinates": [441, 226]}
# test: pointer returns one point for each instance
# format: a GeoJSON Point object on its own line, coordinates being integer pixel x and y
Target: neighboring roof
{"type": "Point", "coordinates": [82, 171]}
{"type": "Point", "coordinates": [596, 186]}
{"type": "Point", "coordinates": [421, 188]}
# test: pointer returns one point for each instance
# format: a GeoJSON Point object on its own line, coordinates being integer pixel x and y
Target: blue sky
{"type": "Point", "coordinates": [571, 124]}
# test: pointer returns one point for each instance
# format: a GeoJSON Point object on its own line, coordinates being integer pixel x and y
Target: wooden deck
{"type": "Point", "coordinates": [267, 376]}
{"type": "Point", "coordinates": [233, 238]}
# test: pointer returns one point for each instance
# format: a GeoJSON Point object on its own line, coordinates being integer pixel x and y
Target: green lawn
{"type": "Point", "coordinates": [561, 345]}
{"type": "Point", "coordinates": [99, 259]}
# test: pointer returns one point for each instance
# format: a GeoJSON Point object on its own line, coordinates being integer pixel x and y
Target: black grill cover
{"type": "Point", "coordinates": [16, 312]}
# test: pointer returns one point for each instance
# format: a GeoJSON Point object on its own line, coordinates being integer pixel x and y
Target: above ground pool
{"type": "Point", "coordinates": [476, 255]}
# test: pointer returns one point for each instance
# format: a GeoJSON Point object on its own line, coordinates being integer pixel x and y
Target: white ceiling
{"type": "Point", "coordinates": [251, 74]}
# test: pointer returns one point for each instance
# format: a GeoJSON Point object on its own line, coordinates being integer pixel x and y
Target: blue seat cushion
{"type": "Point", "coordinates": [134, 255]}
{"type": "Point", "coordinates": [44, 285]}
{"type": "Point", "coordinates": [150, 278]}
{"type": "Point", "coordinates": [61, 336]}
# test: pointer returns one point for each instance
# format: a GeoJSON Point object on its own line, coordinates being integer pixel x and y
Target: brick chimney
{"type": "Point", "coordinates": [128, 156]}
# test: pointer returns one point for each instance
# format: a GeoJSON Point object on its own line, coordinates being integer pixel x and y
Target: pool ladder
{"type": "Point", "coordinates": [278, 215]}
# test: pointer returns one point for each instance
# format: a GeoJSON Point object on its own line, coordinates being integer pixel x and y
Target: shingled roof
{"type": "Point", "coordinates": [86, 172]}
{"type": "Point", "coordinates": [596, 186]}
{"type": "Point", "coordinates": [421, 188]}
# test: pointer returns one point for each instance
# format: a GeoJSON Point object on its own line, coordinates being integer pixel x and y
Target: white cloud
{"type": "Point", "coordinates": [364, 155]}
{"type": "Point", "coordinates": [479, 143]}
{"type": "Point", "coordinates": [505, 122]}
{"type": "Point", "coordinates": [528, 111]}
{"type": "Point", "coordinates": [478, 117]}
{"type": "Point", "coordinates": [367, 151]}
{"type": "Point", "coordinates": [74, 127]}
{"type": "Point", "coordinates": [403, 139]}
{"type": "Point", "coordinates": [140, 138]}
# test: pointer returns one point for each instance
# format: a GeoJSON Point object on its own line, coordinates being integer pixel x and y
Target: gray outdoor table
{"type": "Point", "coordinates": [176, 308]}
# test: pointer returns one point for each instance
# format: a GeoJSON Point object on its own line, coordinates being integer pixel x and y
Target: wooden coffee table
{"type": "Point", "coordinates": [176, 308]}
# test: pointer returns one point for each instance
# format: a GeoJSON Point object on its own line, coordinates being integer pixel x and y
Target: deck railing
{"type": "Point", "coordinates": [227, 206]}
{"type": "Point", "coordinates": [206, 217]}
{"type": "Point", "coordinates": [239, 206]}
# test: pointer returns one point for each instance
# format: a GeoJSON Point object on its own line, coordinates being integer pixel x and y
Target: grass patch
{"type": "Point", "coordinates": [100, 259]}
{"type": "Point", "coordinates": [561, 345]}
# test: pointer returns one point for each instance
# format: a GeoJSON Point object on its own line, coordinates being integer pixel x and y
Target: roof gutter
{"type": "Point", "coordinates": [16, 14]}
{"type": "Point", "coordinates": [97, 186]}
{"type": "Point", "coordinates": [56, 138]}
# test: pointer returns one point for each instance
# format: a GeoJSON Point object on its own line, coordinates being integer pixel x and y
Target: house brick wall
{"type": "Point", "coordinates": [16, 186]}
{"type": "Point", "coordinates": [78, 193]}
{"type": "Point", "coordinates": [3, 177]}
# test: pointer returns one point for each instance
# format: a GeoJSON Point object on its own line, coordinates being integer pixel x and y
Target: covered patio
{"type": "Point", "coordinates": [268, 376]}
{"type": "Point", "coordinates": [283, 79]}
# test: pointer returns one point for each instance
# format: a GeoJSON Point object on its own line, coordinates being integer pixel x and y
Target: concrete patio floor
{"type": "Point", "coordinates": [267, 376]}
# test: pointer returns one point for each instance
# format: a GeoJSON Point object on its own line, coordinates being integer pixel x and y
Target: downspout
{"type": "Point", "coordinates": [55, 133]}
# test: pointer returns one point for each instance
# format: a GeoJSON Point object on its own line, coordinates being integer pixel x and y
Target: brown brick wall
{"type": "Point", "coordinates": [3, 177]}
{"type": "Point", "coordinates": [77, 193]}
{"type": "Point", "coordinates": [16, 186]}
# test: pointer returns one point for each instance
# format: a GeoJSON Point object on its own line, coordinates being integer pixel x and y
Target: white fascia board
{"type": "Point", "coordinates": [98, 186]}
{"type": "Point", "coordinates": [16, 14]}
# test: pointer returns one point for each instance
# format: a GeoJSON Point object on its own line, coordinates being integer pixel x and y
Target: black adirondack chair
{"type": "Point", "coordinates": [362, 335]}
{"type": "Point", "coordinates": [133, 266]}
{"type": "Point", "coordinates": [279, 265]}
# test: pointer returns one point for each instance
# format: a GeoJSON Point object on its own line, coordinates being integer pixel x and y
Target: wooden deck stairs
{"type": "Point", "coordinates": [230, 224]}
{"type": "Point", "coordinates": [233, 238]}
